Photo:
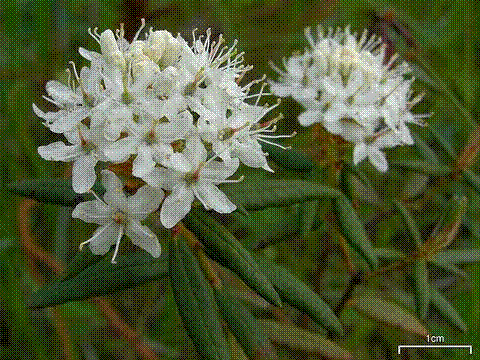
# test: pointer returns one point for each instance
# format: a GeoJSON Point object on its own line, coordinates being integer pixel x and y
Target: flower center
{"type": "Point", "coordinates": [120, 217]}
{"type": "Point", "coordinates": [225, 133]}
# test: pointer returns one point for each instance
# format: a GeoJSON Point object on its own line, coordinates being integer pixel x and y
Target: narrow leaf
{"type": "Point", "coordinates": [446, 309]}
{"type": "Point", "coordinates": [423, 167]}
{"type": "Point", "coordinates": [421, 287]}
{"type": "Point", "coordinates": [447, 228]}
{"type": "Point", "coordinates": [425, 151]}
{"type": "Point", "coordinates": [297, 338]}
{"type": "Point", "coordinates": [223, 247]}
{"type": "Point", "coordinates": [389, 253]}
{"type": "Point", "coordinates": [443, 142]}
{"type": "Point", "coordinates": [353, 231]}
{"type": "Point", "coordinates": [102, 278]}
{"type": "Point", "coordinates": [52, 191]}
{"type": "Point", "coordinates": [254, 195]}
{"type": "Point", "coordinates": [294, 292]}
{"type": "Point", "coordinates": [388, 313]}
{"type": "Point", "coordinates": [196, 303]}
{"type": "Point", "coordinates": [457, 256]}
{"type": "Point", "coordinates": [448, 267]}
{"type": "Point", "coordinates": [290, 159]}
{"type": "Point", "coordinates": [472, 179]}
{"type": "Point", "coordinates": [410, 222]}
{"type": "Point", "coordinates": [244, 326]}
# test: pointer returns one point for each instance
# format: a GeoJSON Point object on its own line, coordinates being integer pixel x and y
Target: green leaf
{"type": "Point", "coordinates": [256, 195]}
{"type": "Point", "coordinates": [423, 167]}
{"type": "Point", "coordinates": [389, 253]}
{"type": "Point", "coordinates": [101, 278]}
{"type": "Point", "coordinates": [223, 247]}
{"type": "Point", "coordinates": [472, 179]}
{"type": "Point", "coordinates": [388, 313]}
{"type": "Point", "coordinates": [421, 287]}
{"type": "Point", "coordinates": [425, 151]}
{"type": "Point", "coordinates": [196, 302]}
{"type": "Point", "coordinates": [457, 256]}
{"type": "Point", "coordinates": [448, 267]}
{"type": "Point", "coordinates": [296, 293]}
{"type": "Point", "coordinates": [297, 338]}
{"type": "Point", "coordinates": [52, 191]}
{"type": "Point", "coordinates": [411, 224]}
{"type": "Point", "coordinates": [446, 309]}
{"type": "Point", "coordinates": [443, 142]}
{"type": "Point", "coordinates": [353, 230]}
{"type": "Point", "coordinates": [244, 326]}
{"type": "Point", "coordinates": [80, 262]}
{"type": "Point", "coordinates": [290, 159]}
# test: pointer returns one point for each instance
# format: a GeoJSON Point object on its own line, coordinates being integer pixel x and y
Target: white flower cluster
{"type": "Point", "coordinates": [345, 85]}
{"type": "Point", "coordinates": [179, 110]}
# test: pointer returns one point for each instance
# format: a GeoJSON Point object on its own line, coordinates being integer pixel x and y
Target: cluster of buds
{"type": "Point", "coordinates": [177, 111]}
{"type": "Point", "coordinates": [347, 85]}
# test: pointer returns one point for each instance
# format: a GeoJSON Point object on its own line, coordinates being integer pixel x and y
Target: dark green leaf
{"type": "Point", "coordinates": [457, 256]}
{"type": "Point", "coordinates": [443, 142]}
{"type": "Point", "coordinates": [446, 309]}
{"type": "Point", "coordinates": [290, 159]}
{"type": "Point", "coordinates": [472, 179]}
{"type": "Point", "coordinates": [425, 151]}
{"type": "Point", "coordinates": [244, 326]}
{"type": "Point", "coordinates": [421, 287]}
{"type": "Point", "coordinates": [389, 253]}
{"type": "Point", "coordinates": [353, 230]}
{"type": "Point", "coordinates": [256, 195]}
{"type": "Point", "coordinates": [196, 303]}
{"type": "Point", "coordinates": [411, 225]}
{"type": "Point", "coordinates": [423, 167]}
{"type": "Point", "coordinates": [296, 293]}
{"type": "Point", "coordinates": [298, 338]}
{"type": "Point", "coordinates": [52, 191]}
{"type": "Point", "coordinates": [223, 247]}
{"type": "Point", "coordinates": [101, 278]}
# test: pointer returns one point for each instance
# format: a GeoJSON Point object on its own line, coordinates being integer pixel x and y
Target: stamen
{"type": "Point", "coordinates": [94, 34]}
{"type": "Point", "coordinates": [234, 181]}
{"type": "Point", "coordinates": [274, 144]}
{"type": "Point", "coordinates": [137, 34]}
{"type": "Point", "coordinates": [80, 247]}
{"type": "Point", "coordinates": [117, 244]}
{"type": "Point", "coordinates": [308, 35]}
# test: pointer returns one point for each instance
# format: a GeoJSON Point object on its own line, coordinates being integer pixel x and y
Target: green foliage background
{"type": "Point", "coordinates": [40, 37]}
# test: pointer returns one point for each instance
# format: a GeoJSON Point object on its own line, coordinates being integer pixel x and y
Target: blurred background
{"type": "Point", "coordinates": [38, 38]}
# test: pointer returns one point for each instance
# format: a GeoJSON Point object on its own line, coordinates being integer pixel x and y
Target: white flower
{"type": "Point", "coordinates": [151, 142]}
{"type": "Point", "coordinates": [119, 215]}
{"type": "Point", "coordinates": [75, 103]}
{"type": "Point", "coordinates": [87, 149]}
{"type": "Point", "coordinates": [345, 85]}
{"type": "Point", "coordinates": [192, 177]}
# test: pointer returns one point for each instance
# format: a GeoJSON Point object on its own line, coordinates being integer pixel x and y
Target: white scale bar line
{"type": "Point", "coordinates": [435, 346]}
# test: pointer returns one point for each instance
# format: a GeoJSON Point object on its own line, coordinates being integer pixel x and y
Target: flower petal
{"type": "Point", "coordinates": [104, 237]}
{"type": "Point", "coordinates": [212, 198]}
{"type": "Point", "coordinates": [83, 173]}
{"type": "Point", "coordinates": [378, 159]}
{"type": "Point", "coordinates": [58, 151]}
{"type": "Point", "coordinates": [146, 200]}
{"type": "Point", "coordinates": [309, 117]}
{"type": "Point", "coordinates": [216, 171]}
{"type": "Point", "coordinates": [94, 211]}
{"type": "Point", "coordinates": [176, 206]}
{"type": "Point", "coordinates": [143, 237]}
{"type": "Point", "coordinates": [359, 153]}
{"type": "Point", "coordinates": [143, 163]}
{"type": "Point", "coordinates": [120, 150]}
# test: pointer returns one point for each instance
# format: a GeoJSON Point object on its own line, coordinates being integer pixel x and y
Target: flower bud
{"type": "Point", "coordinates": [110, 51]}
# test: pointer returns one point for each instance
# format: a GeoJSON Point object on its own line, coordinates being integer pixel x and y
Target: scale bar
{"type": "Point", "coordinates": [435, 346]}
